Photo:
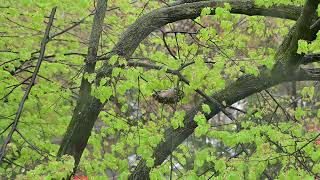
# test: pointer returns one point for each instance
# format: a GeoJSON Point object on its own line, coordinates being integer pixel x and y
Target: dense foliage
{"type": "Point", "coordinates": [201, 97]}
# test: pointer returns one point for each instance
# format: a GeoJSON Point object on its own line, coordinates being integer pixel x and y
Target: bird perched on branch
{"type": "Point", "coordinates": [170, 96]}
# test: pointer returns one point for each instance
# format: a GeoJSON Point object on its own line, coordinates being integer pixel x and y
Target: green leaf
{"type": "Point", "coordinates": [201, 130]}
{"type": "Point", "coordinates": [90, 77]}
{"type": "Point", "coordinates": [220, 165]}
{"type": "Point", "coordinates": [316, 168]}
{"type": "Point", "coordinates": [302, 47]}
{"type": "Point", "coordinates": [113, 59]}
{"type": "Point", "coordinates": [150, 162]}
{"type": "Point", "coordinates": [205, 11]}
{"type": "Point", "coordinates": [25, 54]}
{"type": "Point", "coordinates": [315, 156]}
{"type": "Point", "coordinates": [206, 108]}
{"type": "Point", "coordinates": [102, 93]}
{"type": "Point", "coordinates": [200, 119]}
{"type": "Point", "coordinates": [116, 72]}
{"type": "Point", "coordinates": [299, 113]}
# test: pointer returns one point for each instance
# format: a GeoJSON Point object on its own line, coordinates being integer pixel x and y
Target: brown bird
{"type": "Point", "coordinates": [170, 96]}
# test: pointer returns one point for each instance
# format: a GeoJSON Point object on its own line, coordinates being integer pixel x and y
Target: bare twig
{"type": "Point", "coordinates": [71, 27]}
{"type": "Point", "coordinates": [34, 75]}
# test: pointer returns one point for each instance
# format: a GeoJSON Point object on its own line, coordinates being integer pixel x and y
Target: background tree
{"type": "Point", "coordinates": [147, 101]}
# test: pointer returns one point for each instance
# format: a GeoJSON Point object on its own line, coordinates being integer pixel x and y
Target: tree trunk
{"type": "Point", "coordinates": [88, 107]}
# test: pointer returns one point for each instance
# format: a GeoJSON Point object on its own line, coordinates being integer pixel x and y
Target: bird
{"type": "Point", "coordinates": [169, 96]}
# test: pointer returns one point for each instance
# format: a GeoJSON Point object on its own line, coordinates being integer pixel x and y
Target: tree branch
{"type": "Point", "coordinates": [287, 55]}
{"type": "Point", "coordinates": [310, 58]}
{"type": "Point", "coordinates": [160, 17]}
{"type": "Point", "coordinates": [312, 74]}
{"type": "Point", "coordinates": [33, 78]}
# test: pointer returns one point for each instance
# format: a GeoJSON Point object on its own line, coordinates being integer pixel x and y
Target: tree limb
{"type": "Point", "coordinates": [160, 17]}
{"type": "Point", "coordinates": [310, 58]}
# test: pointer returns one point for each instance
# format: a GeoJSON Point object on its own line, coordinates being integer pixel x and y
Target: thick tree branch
{"type": "Point", "coordinates": [242, 88]}
{"type": "Point", "coordinates": [310, 58]}
{"type": "Point", "coordinates": [152, 21]}
{"type": "Point", "coordinates": [301, 30]}
{"type": "Point", "coordinates": [160, 17]}
{"type": "Point", "coordinates": [308, 74]}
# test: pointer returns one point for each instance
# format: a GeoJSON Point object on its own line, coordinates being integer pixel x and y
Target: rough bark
{"type": "Point", "coordinates": [152, 21]}
{"type": "Point", "coordinates": [88, 107]}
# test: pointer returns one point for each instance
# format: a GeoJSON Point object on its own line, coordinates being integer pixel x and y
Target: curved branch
{"type": "Point", "coordinates": [154, 20]}
{"type": "Point", "coordinates": [160, 17]}
{"type": "Point", "coordinates": [238, 90]}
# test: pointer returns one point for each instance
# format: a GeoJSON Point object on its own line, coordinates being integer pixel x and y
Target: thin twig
{"type": "Point", "coordinates": [71, 27]}
{"type": "Point", "coordinates": [34, 75]}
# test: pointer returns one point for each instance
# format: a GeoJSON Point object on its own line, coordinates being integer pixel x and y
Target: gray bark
{"type": "Point", "coordinates": [88, 107]}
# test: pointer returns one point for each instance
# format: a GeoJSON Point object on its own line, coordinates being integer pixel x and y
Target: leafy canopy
{"type": "Point", "coordinates": [211, 51]}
